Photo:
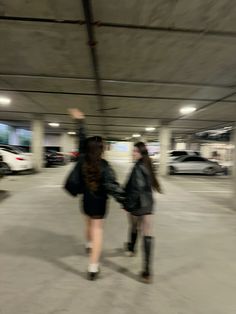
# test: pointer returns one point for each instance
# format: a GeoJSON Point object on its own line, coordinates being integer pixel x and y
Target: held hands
{"type": "Point", "coordinates": [159, 190]}
{"type": "Point", "coordinates": [76, 113]}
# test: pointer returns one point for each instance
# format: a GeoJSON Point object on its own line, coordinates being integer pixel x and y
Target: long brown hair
{"type": "Point", "coordinates": [92, 166]}
{"type": "Point", "coordinates": [148, 164]}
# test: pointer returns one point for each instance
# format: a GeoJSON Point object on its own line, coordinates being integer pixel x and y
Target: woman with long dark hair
{"type": "Point", "coordinates": [95, 180]}
{"type": "Point", "coordinates": [139, 204]}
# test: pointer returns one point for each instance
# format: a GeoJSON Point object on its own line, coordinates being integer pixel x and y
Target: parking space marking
{"type": "Point", "coordinates": [206, 182]}
{"type": "Point", "coordinates": [50, 186]}
{"type": "Point", "coordinates": [212, 191]}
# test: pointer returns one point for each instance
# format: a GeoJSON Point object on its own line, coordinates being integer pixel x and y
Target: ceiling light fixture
{"type": "Point", "coordinates": [71, 133]}
{"type": "Point", "coordinates": [54, 124]}
{"type": "Point", "coordinates": [187, 110]}
{"type": "Point", "coordinates": [136, 135]}
{"type": "Point", "coordinates": [5, 101]}
{"type": "Point", "coordinates": [150, 129]}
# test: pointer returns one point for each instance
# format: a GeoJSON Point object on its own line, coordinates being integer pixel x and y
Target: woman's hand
{"type": "Point", "coordinates": [76, 113]}
{"type": "Point", "coordinates": [160, 190]}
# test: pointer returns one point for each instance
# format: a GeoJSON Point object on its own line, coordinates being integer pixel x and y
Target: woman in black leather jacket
{"type": "Point", "coordinates": [96, 180]}
{"type": "Point", "coordinates": [139, 203]}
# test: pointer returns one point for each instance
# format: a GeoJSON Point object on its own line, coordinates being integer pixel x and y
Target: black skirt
{"type": "Point", "coordinates": [142, 212]}
{"type": "Point", "coordinates": [94, 204]}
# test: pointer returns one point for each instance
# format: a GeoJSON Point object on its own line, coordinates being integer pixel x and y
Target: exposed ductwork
{"type": "Point", "coordinates": [88, 14]}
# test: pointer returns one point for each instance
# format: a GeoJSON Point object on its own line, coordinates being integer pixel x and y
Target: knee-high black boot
{"type": "Point", "coordinates": [147, 247]}
{"type": "Point", "coordinates": [132, 241]}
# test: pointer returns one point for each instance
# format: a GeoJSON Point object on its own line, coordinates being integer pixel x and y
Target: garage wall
{"type": "Point", "coordinates": [66, 142]}
{"type": "Point", "coordinates": [52, 140]}
{"type": "Point", "coordinates": [121, 151]}
{"type": "Point", "coordinates": [222, 151]}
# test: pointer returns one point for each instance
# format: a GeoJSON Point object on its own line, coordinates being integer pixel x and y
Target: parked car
{"type": "Point", "coordinates": [2, 169]}
{"type": "Point", "coordinates": [226, 165]}
{"type": "Point", "coordinates": [52, 158]}
{"type": "Point", "coordinates": [194, 164]}
{"type": "Point", "coordinates": [14, 159]}
{"type": "Point", "coordinates": [74, 155]}
{"type": "Point", "coordinates": [176, 153]}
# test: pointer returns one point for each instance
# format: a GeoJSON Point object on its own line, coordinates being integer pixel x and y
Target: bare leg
{"type": "Point", "coordinates": [88, 234]}
{"type": "Point", "coordinates": [97, 236]}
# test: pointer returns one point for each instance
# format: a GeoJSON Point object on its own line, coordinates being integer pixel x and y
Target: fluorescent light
{"type": "Point", "coordinates": [5, 101]}
{"type": "Point", "coordinates": [71, 133]}
{"type": "Point", "coordinates": [54, 124]}
{"type": "Point", "coordinates": [188, 110]}
{"type": "Point", "coordinates": [150, 129]}
{"type": "Point", "coordinates": [136, 135]}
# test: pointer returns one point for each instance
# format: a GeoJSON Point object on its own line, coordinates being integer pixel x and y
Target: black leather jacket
{"type": "Point", "coordinates": [109, 184]}
{"type": "Point", "coordinates": [138, 190]}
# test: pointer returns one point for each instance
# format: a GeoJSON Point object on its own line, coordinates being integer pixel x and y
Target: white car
{"type": "Point", "coordinates": [14, 159]}
{"type": "Point", "coordinates": [2, 169]}
{"type": "Point", "coordinates": [178, 153]}
{"type": "Point", "coordinates": [173, 154]}
{"type": "Point", "coordinates": [194, 164]}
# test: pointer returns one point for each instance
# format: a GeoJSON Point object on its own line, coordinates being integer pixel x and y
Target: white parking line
{"type": "Point", "coordinates": [50, 186]}
{"type": "Point", "coordinates": [206, 182]}
{"type": "Point", "coordinates": [212, 191]}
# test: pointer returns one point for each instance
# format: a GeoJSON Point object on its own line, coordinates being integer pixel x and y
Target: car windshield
{"type": "Point", "coordinates": [178, 153]}
{"type": "Point", "coordinates": [12, 150]}
{"type": "Point", "coordinates": [194, 159]}
{"type": "Point", "coordinates": [179, 158]}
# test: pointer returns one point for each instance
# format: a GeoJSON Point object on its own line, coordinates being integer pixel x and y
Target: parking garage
{"type": "Point", "coordinates": [162, 72]}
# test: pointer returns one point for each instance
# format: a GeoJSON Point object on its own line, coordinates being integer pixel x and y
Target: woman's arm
{"type": "Point", "coordinates": [132, 191]}
{"type": "Point", "coordinates": [111, 185]}
{"type": "Point", "coordinates": [80, 127]}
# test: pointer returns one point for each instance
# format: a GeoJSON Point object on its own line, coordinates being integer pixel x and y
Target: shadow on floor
{"type": "Point", "coordinates": [4, 194]}
{"type": "Point", "coordinates": [51, 247]}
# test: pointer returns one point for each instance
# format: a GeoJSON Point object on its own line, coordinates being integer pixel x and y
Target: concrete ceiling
{"type": "Point", "coordinates": [153, 57]}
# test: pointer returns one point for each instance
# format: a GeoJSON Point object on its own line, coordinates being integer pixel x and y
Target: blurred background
{"type": "Point", "coordinates": [158, 71]}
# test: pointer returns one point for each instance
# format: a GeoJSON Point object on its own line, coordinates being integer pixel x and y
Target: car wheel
{"type": "Point", "coordinates": [172, 170]}
{"type": "Point", "coordinates": [210, 171]}
{"type": "Point", "coordinates": [6, 168]}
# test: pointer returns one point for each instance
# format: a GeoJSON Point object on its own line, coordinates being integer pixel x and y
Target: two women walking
{"type": "Point", "coordinates": [94, 178]}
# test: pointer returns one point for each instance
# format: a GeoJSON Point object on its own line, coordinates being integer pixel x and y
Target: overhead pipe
{"type": "Point", "coordinates": [110, 95]}
{"type": "Point", "coordinates": [107, 80]}
{"type": "Point", "coordinates": [88, 14]}
{"type": "Point", "coordinates": [204, 107]}
{"type": "Point", "coordinates": [181, 30]}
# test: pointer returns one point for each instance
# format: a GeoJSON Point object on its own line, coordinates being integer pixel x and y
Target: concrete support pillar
{"type": "Point", "coordinates": [196, 147]}
{"type": "Point", "coordinates": [180, 146]}
{"type": "Point", "coordinates": [143, 139]}
{"type": "Point", "coordinates": [37, 144]}
{"type": "Point", "coordinates": [234, 167]}
{"type": "Point", "coordinates": [188, 142]}
{"type": "Point", "coordinates": [165, 142]}
{"type": "Point", "coordinates": [13, 137]}
{"type": "Point", "coordinates": [68, 142]}
{"type": "Point", "coordinates": [63, 142]}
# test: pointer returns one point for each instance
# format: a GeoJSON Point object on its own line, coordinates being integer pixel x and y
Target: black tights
{"type": "Point", "coordinates": [141, 223]}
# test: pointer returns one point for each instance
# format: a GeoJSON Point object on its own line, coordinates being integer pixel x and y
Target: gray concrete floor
{"type": "Point", "coordinates": [43, 265]}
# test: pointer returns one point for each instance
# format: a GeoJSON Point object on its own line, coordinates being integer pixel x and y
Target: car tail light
{"type": "Point", "coordinates": [19, 158]}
